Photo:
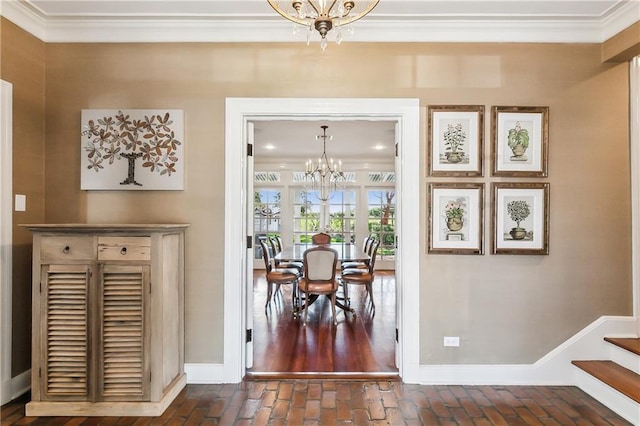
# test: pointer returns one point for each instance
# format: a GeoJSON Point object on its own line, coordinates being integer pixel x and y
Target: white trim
{"type": "Point", "coordinates": [199, 374]}
{"type": "Point", "coordinates": [241, 110]}
{"type": "Point", "coordinates": [268, 27]}
{"type": "Point", "coordinates": [6, 232]}
{"type": "Point", "coordinates": [609, 397]}
{"type": "Point", "coordinates": [553, 369]}
{"type": "Point", "coordinates": [20, 384]}
{"type": "Point", "coordinates": [634, 142]}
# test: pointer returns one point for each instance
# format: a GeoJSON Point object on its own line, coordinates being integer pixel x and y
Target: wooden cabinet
{"type": "Point", "coordinates": [108, 319]}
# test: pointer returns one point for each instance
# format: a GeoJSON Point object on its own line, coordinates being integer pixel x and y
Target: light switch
{"type": "Point", "coordinates": [21, 203]}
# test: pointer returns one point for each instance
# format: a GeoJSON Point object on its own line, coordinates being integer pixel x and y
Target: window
{"type": "Point", "coordinates": [266, 216]}
{"type": "Point", "coordinates": [382, 221]}
{"type": "Point", "coordinates": [337, 216]}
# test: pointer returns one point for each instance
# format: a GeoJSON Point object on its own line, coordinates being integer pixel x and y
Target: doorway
{"type": "Point", "coordinates": [239, 113]}
{"type": "Point", "coordinates": [285, 204]}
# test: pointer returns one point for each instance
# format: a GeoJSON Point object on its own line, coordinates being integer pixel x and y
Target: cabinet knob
{"type": "Point", "coordinates": [123, 251]}
{"type": "Point", "coordinates": [66, 249]}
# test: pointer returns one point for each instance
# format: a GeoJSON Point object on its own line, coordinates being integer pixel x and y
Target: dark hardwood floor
{"type": "Point", "coordinates": [359, 346]}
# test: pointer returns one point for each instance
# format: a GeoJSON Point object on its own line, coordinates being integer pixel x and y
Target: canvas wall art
{"type": "Point", "coordinates": [132, 149]}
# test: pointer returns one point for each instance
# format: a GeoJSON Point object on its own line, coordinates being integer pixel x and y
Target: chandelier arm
{"type": "Point", "coordinates": [337, 21]}
{"type": "Point", "coordinates": [331, 7]}
{"type": "Point", "coordinates": [291, 18]}
{"type": "Point", "coordinates": [313, 6]}
{"type": "Point", "coordinates": [346, 21]}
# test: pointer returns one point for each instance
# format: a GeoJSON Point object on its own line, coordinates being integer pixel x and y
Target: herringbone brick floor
{"type": "Point", "coordinates": [334, 402]}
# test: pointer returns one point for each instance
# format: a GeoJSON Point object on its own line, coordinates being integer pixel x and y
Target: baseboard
{"type": "Point", "coordinates": [552, 369]}
{"type": "Point", "coordinates": [5, 391]}
{"type": "Point", "coordinates": [205, 373]}
{"type": "Point", "coordinates": [20, 384]}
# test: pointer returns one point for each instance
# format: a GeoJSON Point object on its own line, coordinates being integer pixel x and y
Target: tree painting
{"type": "Point", "coordinates": [144, 148]}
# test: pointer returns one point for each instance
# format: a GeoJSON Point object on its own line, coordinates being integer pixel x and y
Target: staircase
{"type": "Point", "coordinates": [615, 382]}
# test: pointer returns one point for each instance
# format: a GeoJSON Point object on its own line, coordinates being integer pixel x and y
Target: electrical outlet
{"type": "Point", "coordinates": [451, 341]}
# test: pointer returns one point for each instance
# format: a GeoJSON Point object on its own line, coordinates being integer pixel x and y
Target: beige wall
{"type": "Point", "coordinates": [506, 309]}
{"type": "Point", "coordinates": [23, 65]}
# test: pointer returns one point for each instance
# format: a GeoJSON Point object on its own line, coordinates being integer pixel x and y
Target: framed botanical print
{"type": "Point", "coordinates": [520, 141]}
{"type": "Point", "coordinates": [520, 218]}
{"type": "Point", "coordinates": [456, 218]}
{"type": "Point", "coordinates": [455, 137]}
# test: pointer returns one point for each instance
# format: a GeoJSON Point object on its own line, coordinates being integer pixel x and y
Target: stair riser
{"type": "Point", "coordinates": [611, 398]}
{"type": "Point", "coordinates": [625, 358]}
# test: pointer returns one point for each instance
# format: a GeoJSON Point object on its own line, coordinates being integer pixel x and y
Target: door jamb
{"type": "Point", "coordinates": [6, 243]}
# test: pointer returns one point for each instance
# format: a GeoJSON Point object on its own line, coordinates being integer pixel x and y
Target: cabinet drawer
{"type": "Point", "coordinates": [67, 248]}
{"type": "Point", "coordinates": [124, 248]}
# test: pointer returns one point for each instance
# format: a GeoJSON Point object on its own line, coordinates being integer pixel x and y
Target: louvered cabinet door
{"type": "Point", "coordinates": [124, 333]}
{"type": "Point", "coordinates": [65, 332]}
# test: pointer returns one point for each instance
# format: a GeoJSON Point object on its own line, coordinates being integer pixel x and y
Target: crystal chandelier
{"type": "Point", "coordinates": [323, 15]}
{"type": "Point", "coordinates": [326, 175]}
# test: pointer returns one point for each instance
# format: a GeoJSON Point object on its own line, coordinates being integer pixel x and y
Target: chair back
{"type": "Point", "coordinates": [320, 264]}
{"type": "Point", "coordinates": [279, 243]}
{"type": "Point", "coordinates": [274, 245]}
{"type": "Point", "coordinates": [373, 255]}
{"type": "Point", "coordinates": [266, 256]}
{"type": "Point", "coordinates": [321, 238]}
{"type": "Point", "coordinates": [367, 243]}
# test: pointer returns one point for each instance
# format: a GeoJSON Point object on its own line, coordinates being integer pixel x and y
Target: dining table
{"type": "Point", "coordinates": [347, 252]}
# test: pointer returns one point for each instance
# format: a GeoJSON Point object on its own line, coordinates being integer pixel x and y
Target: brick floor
{"type": "Point", "coordinates": [330, 402]}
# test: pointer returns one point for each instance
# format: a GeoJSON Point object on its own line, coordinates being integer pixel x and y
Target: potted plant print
{"type": "Point", "coordinates": [518, 141]}
{"type": "Point", "coordinates": [454, 139]}
{"type": "Point", "coordinates": [518, 211]}
{"type": "Point", "coordinates": [455, 211]}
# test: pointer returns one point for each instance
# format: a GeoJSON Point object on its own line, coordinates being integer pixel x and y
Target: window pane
{"type": "Point", "coordinates": [337, 216]}
{"type": "Point", "coordinates": [266, 216]}
{"type": "Point", "coordinates": [382, 209]}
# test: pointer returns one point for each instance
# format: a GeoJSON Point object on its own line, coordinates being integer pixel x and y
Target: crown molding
{"type": "Point", "coordinates": [260, 28]}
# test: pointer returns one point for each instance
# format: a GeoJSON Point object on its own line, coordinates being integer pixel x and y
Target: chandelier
{"type": "Point", "coordinates": [326, 175]}
{"type": "Point", "coordinates": [323, 15]}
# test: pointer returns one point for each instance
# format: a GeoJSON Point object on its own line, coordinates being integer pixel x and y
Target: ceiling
{"type": "Point", "coordinates": [254, 20]}
{"type": "Point", "coordinates": [288, 144]}
{"type": "Point", "coordinates": [560, 21]}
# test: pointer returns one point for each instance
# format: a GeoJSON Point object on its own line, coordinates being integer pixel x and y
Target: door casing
{"type": "Point", "coordinates": [240, 111]}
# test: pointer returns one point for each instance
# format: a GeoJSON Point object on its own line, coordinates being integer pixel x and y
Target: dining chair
{"type": "Point", "coordinates": [361, 277]}
{"type": "Point", "coordinates": [320, 239]}
{"type": "Point", "coordinates": [279, 276]}
{"type": "Point", "coordinates": [319, 277]}
{"type": "Point", "coordinates": [366, 247]}
{"type": "Point", "coordinates": [276, 247]}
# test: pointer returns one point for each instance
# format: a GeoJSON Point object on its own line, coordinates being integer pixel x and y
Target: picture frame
{"type": "Point", "coordinates": [520, 141]}
{"type": "Point", "coordinates": [525, 205]}
{"type": "Point", "coordinates": [455, 140]}
{"type": "Point", "coordinates": [456, 218]}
